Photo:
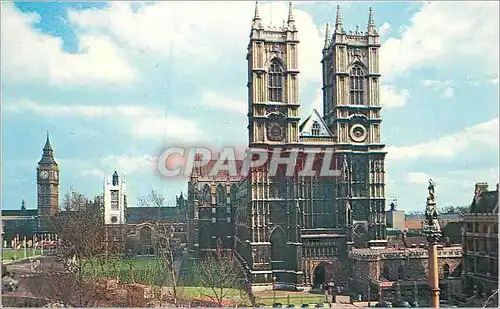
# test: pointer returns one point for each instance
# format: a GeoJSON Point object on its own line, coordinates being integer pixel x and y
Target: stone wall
{"type": "Point", "coordinates": [389, 265]}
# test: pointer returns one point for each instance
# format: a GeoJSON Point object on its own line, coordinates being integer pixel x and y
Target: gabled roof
{"type": "Point", "coordinates": [305, 129]}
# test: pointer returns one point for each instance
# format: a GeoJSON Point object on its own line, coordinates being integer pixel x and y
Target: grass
{"type": "Point", "coordinates": [134, 270]}
{"type": "Point", "coordinates": [286, 298]}
{"type": "Point", "coordinates": [151, 271]}
{"type": "Point", "coordinates": [11, 254]}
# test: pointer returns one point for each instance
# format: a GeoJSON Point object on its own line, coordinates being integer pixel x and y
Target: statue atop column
{"type": "Point", "coordinates": [431, 213]}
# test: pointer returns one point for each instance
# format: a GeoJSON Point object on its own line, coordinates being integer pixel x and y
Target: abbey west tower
{"type": "Point", "coordinates": [351, 105]}
{"type": "Point", "coordinates": [268, 231]}
{"type": "Point", "coordinates": [48, 187]}
{"type": "Point", "coordinates": [273, 83]}
{"type": "Point", "coordinates": [300, 229]}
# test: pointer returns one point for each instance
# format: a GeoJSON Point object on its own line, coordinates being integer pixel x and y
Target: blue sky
{"type": "Point", "coordinates": [115, 83]}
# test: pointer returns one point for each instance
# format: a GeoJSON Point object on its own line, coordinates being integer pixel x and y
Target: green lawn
{"type": "Point", "coordinates": [134, 270]}
{"type": "Point", "coordinates": [11, 254]}
{"type": "Point", "coordinates": [153, 272]}
{"type": "Point", "coordinates": [286, 298]}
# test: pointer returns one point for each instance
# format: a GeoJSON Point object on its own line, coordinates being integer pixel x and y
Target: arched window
{"type": "Point", "coordinates": [206, 195]}
{"type": "Point", "coordinates": [275, 82]}
{"type": "Point", "coordinates": [315, 129]}
{"type": "Point", "coordinates": [401, 272]}
{"type": "Point", "coordinates": [446, 270]}
{"type": "Point", "coordinates": [145, 238]}
{"type": "Point", "coordinates": [385, 273]}
{"type": "Point", "coordinates": [221, 195]}
{"type": "Point", "coordinates": [278, 248]}
{"type": "Point", "coordinates": [357, 90]}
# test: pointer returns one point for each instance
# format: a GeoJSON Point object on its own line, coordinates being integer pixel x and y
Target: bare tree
{"type": "Point", "coordinates": [82, 242]}
{"type": "Point", "coordinates": [168, 248]}
{"type": "Point", "coordinates": [81, 231]}
{"type": "Point", "coordinates": [217, 275]}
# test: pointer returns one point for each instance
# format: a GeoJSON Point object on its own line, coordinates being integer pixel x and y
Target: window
{"type": "Point", "coordinates": [275, 82]}
{"type": "Point", "coordinates": [221, 195]}
{"type": "Point", "coordinates": [446, 270]}
{"type": "Point", "coordinates": [357, 86]}
{"type": "Point", "coordinates": [315, 129]}
{"type": "Point", "coordinates": [114, 199]}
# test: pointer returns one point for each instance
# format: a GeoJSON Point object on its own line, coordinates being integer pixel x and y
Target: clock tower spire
{"type": "Point", "coordinates": [48, 186]}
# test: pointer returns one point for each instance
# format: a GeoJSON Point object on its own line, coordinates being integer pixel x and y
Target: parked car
{"type": "Point", "coordinates": [383, 304]}
{"type": "Point", "coordinates": [285, 286]}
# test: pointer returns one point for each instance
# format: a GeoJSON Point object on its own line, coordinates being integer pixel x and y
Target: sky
{"type": "Point", "coordinates": [116, 83]}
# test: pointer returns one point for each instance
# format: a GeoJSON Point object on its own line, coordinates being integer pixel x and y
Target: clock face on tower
{"type": "Point", "coordinates": [358, 133]}
{"type": "Point", "coordinates": [275, 131]}
{"type": "Point", "coordinates": [44, 174]}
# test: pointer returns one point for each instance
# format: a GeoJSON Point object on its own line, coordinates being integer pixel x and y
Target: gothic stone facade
{"type": "Point", "coordinates": [286, 226]}
{"type": "Point", "coordinates": [480, 245]}
{"type": "Point", "coordinates": [381, 272]}
{"type": "Point", "coordinates": [211, 211]}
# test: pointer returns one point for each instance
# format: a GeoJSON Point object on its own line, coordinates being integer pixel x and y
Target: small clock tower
{"type": "Point", "coordinates": [48, 186]}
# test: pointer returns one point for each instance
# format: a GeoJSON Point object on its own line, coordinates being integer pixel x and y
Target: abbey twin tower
{"type": "Point", "coordinates": [283, 228]}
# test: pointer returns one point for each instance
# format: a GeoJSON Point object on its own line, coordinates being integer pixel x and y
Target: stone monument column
{"type": "Point", "coordinates": [433, 233]}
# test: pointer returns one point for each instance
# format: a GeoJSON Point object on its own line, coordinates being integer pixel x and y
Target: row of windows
{"type": "Point", "coordinates": [276, 80]}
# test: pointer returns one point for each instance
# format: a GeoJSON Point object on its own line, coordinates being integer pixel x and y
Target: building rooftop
{"type": "Point", "coordinates": [143, 214]}
{"type": "Point", "coordinates": [19, 213]}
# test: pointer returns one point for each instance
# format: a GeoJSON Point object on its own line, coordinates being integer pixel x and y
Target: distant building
{"type": "Point", "coordinates": [387, 272]}
{"type": "Point", "coordinates": [416, 222]}
{"type": "Point", "coordinates": [22, 223]}
{"type": "Point", "coordinates": [395, 218]}
{"type": "Point", "coordinates": [25, 222]}
{"type": "Point", "coordinates": [115, 199]}
{"type": "Point", "coordinates": [480, 246]}
{"type": "Point", "coordinates": [136, 229]}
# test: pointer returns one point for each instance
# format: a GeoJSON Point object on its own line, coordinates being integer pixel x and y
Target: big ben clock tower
{"type": "Point", "coordinates": [48, 186]}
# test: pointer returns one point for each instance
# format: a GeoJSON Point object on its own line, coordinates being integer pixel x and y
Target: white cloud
{"type": "Point", "coordinates": [448, 92]}
{"type": "Point", "coordinates": [385, 29]}
{"type": "Point", "coordinates": [203, 34]}
{"type": "Point", "coordinates": [494, 81]}
{"type": "Point", "coordinates": [445, 32]}
{"type": "Point", "coordinates": [143, 122]}
{"type": "Point", "coordinates": [440, 86]}
{"type": "Point", "coordinates": [76, 110]}
{"type": "Point", "coordinates": [390, 98]}
{"type": "Point", "coordinates": [449, 146]}
{"type": "Point", "coordinates": [129, 164]}
{"type": "Point", "coordinates": [94, 172]}
{"type": "Point", "coordinates": [318, 102]}
{"type": "Point", "coordinates": [418, 178]}
{"type": "Point", "coordinates": [29, 54]}
{"type": "Point", "coordinates": [170, 127]}
{"type": "Point", "coordinates": [219, 101]}
{"type": "Point", "coordinates": [454, 187]}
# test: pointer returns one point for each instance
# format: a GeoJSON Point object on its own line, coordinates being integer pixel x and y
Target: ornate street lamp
{"type": "Point", "coordinates": [433, 233]}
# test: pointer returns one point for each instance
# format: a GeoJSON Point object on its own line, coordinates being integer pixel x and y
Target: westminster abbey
{"type": "Point", "coordinates": [300, 230]}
